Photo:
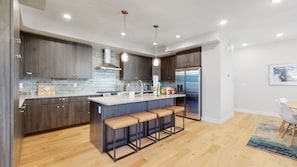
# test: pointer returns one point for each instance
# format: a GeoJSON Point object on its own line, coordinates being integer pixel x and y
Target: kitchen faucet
{"type": "Point", "coordinates": [141, 87]}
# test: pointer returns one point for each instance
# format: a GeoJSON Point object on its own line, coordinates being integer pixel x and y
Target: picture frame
{"type": "Point", "coordinates": [283, 74]}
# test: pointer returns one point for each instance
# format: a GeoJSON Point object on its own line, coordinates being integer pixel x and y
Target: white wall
{"type": "Point", "coordinates": [217, 83]}
{"type": "Point", "coordinates": [211, 83]}
{"type": "Point", "coordinates": [252, 92]}
{"type": "Point", "coordinates": [227, 82]}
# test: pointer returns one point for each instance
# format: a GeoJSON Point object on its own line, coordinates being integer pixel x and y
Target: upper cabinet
{"type": "Point", "coordinates": [137, 68]}
{"type": "Point", "coordinates": [54, 58]}
{"type": "Point", "coordinates": [189, 58]}
{"type": "Point", "coordinates": [168, 68]}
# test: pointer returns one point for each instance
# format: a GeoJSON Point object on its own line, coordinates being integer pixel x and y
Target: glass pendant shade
{"type": "Point", "coordinates": [124, 57]}
{"type": "Point", "coordinates": [156, 61]}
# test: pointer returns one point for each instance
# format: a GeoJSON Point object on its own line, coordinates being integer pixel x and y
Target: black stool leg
{"type": "Point", "coordinates": [114, 149]}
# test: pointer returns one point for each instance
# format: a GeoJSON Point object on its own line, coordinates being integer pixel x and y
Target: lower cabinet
{"type": "Point", "coordinates": [53, 113]}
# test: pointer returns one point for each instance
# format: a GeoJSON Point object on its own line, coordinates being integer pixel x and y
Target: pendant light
{"type": "Point", "coordinates": [156, 60]}
{"type": "Point", "coordinates": [124, 55]}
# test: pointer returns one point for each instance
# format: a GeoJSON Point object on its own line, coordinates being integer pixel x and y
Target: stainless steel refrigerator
{"type": "Point", "coordinates": [188, 81]}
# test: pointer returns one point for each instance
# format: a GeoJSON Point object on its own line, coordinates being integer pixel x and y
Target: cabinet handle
{"type": "Point", "coordinates": [18, 40]}
{"type": "Point", "coordinates": [60, 98]}
{"type": "Point", "coordinates": [63, 98]}
{"type": "Point", "coordinates": [19, 56]}
{"type": "Point", "coordinates": [88, 102]}
{"type": "Point", "coordinates": [62, 106]}
{"type": "Point", "coordinates": [29, 73]}
{"type": "Point", "coordinates": [58, 106]}
{"type": "Point", "coordinates": [73, 75]}
{"type": "Point", "coordinates": [22, 111]}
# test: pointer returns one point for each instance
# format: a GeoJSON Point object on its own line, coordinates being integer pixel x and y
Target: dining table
{"type": "Point", "coordinates": [293, 106]}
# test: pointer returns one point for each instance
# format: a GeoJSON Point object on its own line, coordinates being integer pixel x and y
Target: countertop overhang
{"type": "Point", "coordinates": [119, 99]}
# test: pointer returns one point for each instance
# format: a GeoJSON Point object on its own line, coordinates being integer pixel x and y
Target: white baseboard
{"type": "Point", "coordinates": [218, 120]}
{"type": "Point", "coordinates": [256, 112]}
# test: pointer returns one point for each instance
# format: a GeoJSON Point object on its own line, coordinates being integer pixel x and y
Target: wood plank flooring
{"type": "Point", "coordinates": [201, 144]}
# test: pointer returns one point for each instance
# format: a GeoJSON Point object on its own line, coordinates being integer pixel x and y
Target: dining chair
{"type": "Point", "coordinates": [288, 117]}
{"type": "Point", "coordinates": [278, 101]}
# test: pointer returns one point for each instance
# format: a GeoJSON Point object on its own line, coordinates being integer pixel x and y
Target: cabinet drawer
{"type": "Point", "coordinates": [54, 100]}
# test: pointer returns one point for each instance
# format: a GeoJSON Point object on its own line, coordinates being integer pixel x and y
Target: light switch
{"type": "Point", "coordinates": [75, 85]}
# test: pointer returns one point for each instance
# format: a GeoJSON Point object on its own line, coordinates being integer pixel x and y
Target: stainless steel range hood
{"type": "Point", "coordinates": [107, 59]}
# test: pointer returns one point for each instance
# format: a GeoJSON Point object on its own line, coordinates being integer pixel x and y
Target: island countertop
{"type": "Point", "coordinates": [119, 99]}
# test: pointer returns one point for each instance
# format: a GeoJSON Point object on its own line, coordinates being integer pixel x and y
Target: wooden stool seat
{"type": "Point", "coordinates": [144, 116]}
{"type": "Point", "coordinates": [120, 122]}
{"type": "Point", "coordinates": [161, 112]}
{"type": "Point", "coordinates": [176, 109]}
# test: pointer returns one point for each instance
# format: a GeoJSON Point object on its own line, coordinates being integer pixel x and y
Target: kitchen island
{"type": "Point", "coordinates": [102, 108]}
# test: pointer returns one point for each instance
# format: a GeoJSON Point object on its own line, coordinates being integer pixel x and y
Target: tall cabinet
{"type": "Point", "coordinates": [10, 115]}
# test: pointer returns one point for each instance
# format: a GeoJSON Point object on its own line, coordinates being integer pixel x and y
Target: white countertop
{"type": "Point", "coordinates": [119, 99]}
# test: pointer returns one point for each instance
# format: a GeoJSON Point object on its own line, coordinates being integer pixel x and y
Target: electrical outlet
{"type": "Point", "coordinates": [21, 85]}
{"type": "Point", "coordinates": [75, 85]}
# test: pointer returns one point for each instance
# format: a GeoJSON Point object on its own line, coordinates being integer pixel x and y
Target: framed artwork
{"type": "Point", "coordinates": [283, 74]}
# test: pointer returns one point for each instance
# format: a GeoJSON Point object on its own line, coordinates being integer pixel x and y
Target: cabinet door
{"type": "Point", "coordinates": [83, 59]}
{"type": "Point", "coordinates": [64, 65]}
{"type": "Point", "coordinates": [57, 115]}
{"type": "Point", "coordinates": [129, 68]}
{"type": "Point", "coordinates": [46, 58]}
{"type": "Point", "coordinates": [137, 68]}
{"type": "Point", "coordinates": [195, 58]}
{"type": "Point", "coordinates": [36, 118]}
{"type": "Point", "coordinates": [181, 60]}
{"type": "Point", "coordinates": [145, 69]}
{"type": "Point", "coordinates": [168, 68]}
{"type": "Point", "coordinates": [30, 55]}
{"type": "Point", "coordinates": [38, 56]}
{"type": "Point", "coordinates": [82, 112]}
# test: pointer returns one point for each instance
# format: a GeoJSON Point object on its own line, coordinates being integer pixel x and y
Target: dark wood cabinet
{"type": "Point", "coordinates": [52, 113]}
{"type": "Point", "coordinates": [38, 54]}
{"type": "Point", "coordinates": [189, 58]}
{"type": "Point", "coordinates": [168, 68]}
{"type": "Point", "coordinates": [54, 58]}
{"type": "Point", "coordinates": [83, 61]}
{"type": "Point", "coordinates": [137, 68]}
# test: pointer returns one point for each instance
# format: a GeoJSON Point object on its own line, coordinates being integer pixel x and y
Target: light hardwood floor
{"type": "Point", "coordinates": [201, 144]}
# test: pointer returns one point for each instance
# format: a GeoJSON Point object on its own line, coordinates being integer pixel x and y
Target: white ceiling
{"type": "Point", "coordinates": [100, 21]}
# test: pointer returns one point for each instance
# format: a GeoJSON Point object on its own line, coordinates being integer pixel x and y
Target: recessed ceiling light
{"type": "Point", "coordinates": [279, 35]}
{"type": "Point", "coordinates": [155, 43]}
{"type": "Point", "coordinates": [177, 36]}
{"type": "Point", "coordinates": [276, 1]}
{"type": "Point", "coordinates": [67, 16]}
{"type": "Point", "coordinates": [123, 34]}
{"type": "Point", "coordinates": [244, 44]}
{"type": "Point", "coordinates": [223, 22]}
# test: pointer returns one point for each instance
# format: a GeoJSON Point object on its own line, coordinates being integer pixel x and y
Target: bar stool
{"type": "Point", "coordinates": [177, 109]}
{"type": "Point", "coordinates": [143, 119]}
{"type": "Point", "coordinates": [162, 113]}
{"type": "Point", "coordinates": [119, 123]}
